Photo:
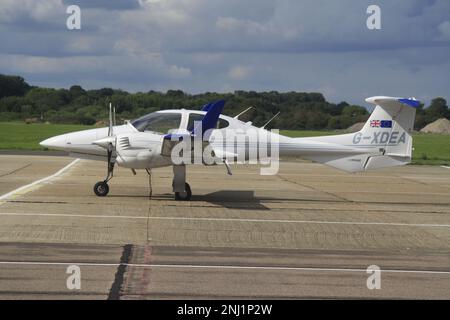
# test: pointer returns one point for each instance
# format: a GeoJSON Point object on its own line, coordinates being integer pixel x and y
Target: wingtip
{"type": "Point", "coordinates": [410, 102]}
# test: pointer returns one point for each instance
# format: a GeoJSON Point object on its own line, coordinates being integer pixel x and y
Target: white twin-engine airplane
{"type": "Point", "coordinates": [147, 142]}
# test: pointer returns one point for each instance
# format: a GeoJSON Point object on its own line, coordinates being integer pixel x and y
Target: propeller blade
{"type": "Point", "coordinates": [110, 130]}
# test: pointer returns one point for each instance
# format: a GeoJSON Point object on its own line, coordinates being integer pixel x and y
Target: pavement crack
{"type": "Point", "coordinates": [116, 287]}
{"type": "Point", "coordinates": [314, 189]}
{"type": "Point", "coordinates": [16, 170]}
{"type": "Point", "coordinates": [149, 211]}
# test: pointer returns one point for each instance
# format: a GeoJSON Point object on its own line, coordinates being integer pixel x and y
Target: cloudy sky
{"type": "Point", "coordinates": [223, 45]}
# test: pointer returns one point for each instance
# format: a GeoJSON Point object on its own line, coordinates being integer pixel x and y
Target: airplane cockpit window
{"type": "Point", "coordinates": [195, 117]}
{"type": "Point", "coordinates": [222, 123]}
{"type": "Point", "coordinates": [158, 122]}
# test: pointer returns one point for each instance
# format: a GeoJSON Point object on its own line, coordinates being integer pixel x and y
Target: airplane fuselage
{"type": "Point", "coordinates": [164, 138]}
{"type": "Point", "coordinates": [236, 140]}
{"type": "Point", "coordinates": [142, 149]}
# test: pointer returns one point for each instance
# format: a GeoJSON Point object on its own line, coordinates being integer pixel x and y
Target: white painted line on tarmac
{"type": "Point", "coordinates": [24, 189]}
{"type": "Point", "coordinates": [445, 167]}
{"type": "Point", "coordinates": [93, 216]}
{"type": "Point", "coordinates": [195, 266]}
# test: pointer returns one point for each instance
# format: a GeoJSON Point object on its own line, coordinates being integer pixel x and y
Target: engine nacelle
{"type": "Point", "coordinates": [141, 160]}
{"type": "Point", "coordinates": [137, 151]}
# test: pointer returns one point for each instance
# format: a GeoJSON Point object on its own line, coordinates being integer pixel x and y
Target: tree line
{"type": "Point", "coordinates": [299, 111]}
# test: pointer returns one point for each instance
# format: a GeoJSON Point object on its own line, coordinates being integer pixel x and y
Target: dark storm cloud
{"type": "Point", "coordinates": [222, 45]}
{"type": "Point", "coordinates": [104, 4]}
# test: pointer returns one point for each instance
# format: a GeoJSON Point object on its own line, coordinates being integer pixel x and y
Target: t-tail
{"type": "Point", "coordinates": [384, 141]}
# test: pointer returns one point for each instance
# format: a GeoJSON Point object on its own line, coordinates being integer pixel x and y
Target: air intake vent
{"type": "Point", "coordinates": [124, 143]}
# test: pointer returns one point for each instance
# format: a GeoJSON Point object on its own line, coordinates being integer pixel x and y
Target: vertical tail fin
{"type": "Point", "coordinates": [384, 141]}
{"type": "Point", "coordinates": [390, 125]}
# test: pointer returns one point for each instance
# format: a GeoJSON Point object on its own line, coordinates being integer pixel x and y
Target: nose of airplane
{"type": "Point", "coordinates": [58, 142]}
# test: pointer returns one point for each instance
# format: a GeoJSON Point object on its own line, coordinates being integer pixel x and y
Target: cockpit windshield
{"type": "Point", "coordinates": [158, 122]}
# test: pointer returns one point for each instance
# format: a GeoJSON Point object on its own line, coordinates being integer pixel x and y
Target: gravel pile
{"type": "Point", "coordinates": [439, 126]}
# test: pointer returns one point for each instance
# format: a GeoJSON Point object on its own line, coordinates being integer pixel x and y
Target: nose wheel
{"type": "Point", "coordinates": [101, 188]}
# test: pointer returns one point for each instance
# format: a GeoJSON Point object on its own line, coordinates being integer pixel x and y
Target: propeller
{"type": "Point", "coordinates": [111, 117]}
{"type": "Point", "coordinates": [109, 142]}
{"type": "Point", "coordinates": [112, 142]}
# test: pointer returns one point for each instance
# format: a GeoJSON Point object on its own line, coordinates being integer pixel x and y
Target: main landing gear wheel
{"type": "Point", "coordinates": [184, 196]}
{"type": "Point", "coordinates": [101, 189]}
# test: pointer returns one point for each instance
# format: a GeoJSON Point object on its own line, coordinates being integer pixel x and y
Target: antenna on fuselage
{"type": "Point", "coordinates": [270, 120]}
{"type": "Point", "coordinates": [240, 114]}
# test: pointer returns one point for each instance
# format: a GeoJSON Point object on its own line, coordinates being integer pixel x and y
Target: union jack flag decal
{"type": "Point", "coordinates": [375, 123]}
{"type": "Point", "coordinates": [381, 123]}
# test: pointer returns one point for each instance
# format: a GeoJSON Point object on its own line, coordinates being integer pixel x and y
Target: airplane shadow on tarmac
{"type": "Point", "coordinates": [230, 199]}
{"type": "Point", "coordinates": [233, 199]}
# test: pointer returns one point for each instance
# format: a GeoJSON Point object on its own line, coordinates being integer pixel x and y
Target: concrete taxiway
{"type": "Point", "coordinates": [307, 232]}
